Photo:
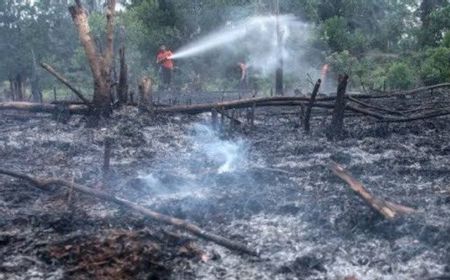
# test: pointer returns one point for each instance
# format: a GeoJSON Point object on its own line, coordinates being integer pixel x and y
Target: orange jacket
{"type": "Point", "coordinates": [163, 58]}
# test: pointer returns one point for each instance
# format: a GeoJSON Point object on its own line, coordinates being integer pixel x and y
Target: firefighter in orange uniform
{"type": "Point", "coordinates": [163, 58]}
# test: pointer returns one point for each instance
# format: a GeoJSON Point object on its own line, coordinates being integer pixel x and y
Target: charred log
{"type": "Point", "coordinates": [45, 183]}
{"type": "Point", "coordinates": [43, 107]}
{"type": "Point", "coordinates": [389, 210]}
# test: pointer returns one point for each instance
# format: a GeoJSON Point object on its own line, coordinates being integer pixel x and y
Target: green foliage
{"type": "Point", "coordinates": [342, 62]}
{"type": "Point", "coordinates": [400, 76]}
{"type": "Point", "coordinates": [436, 66]}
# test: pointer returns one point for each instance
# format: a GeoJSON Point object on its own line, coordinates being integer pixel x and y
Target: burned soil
{"type": "Point", "coordinates": [267, 186]}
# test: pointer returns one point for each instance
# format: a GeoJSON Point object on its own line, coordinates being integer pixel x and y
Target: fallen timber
{"type": "Point", "coordinates": [388, 210]}
{"type": "Point", "coordinates": [45, 183]}
{"type": "Point", "coordinates": [44, 107]}
{"type": "Point", "coordinates": [355, 105]}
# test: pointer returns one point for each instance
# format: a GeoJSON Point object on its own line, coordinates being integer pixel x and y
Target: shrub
{"type": "Point", "coordinates": [436, 66]}
{"type": "Point", "coordinates": [400, 76]}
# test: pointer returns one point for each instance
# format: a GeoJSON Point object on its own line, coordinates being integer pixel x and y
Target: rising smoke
{"type": "Point", "coordinates": [207, 153]}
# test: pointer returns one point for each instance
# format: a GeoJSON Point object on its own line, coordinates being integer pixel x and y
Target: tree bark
{"type": "Point", "coordinates": [337, 121]}
{"type": "Point", "coordinates": [310, 104]}
{"type": "Point", "coordinates": [100, 65]}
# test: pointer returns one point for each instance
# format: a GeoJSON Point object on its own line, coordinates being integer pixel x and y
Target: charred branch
{"type": "Point", "coordinates": [45, 183]}
{"type": "Point", "coordinates": [389, 210]}
{"type": "Point", "coordinates": [65, 82]}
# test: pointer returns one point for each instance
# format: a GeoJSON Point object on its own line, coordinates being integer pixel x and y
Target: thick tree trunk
{"type": "Point", "coordinates": [100, 64]}
{"type": "Point", "coordinates": [122, 89]}
{"type": "Point", "coordinates": [337, 122]}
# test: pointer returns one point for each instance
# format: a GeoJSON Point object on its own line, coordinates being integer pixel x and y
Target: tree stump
{"type": "Point", "coordinates": [145, 95]}
{"type": "Point", "coordinates": [335, 130]}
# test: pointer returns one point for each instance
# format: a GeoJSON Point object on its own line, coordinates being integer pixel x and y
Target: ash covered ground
{"type": "Point", "coordinates": [266, 186]}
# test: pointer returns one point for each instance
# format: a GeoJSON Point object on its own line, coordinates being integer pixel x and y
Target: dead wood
{"type": "Point", "coordinates": [337, 122]}
{"type": "Point", "coordinates": [145, 94]}
{"type": "Point", "coordinates": [45, 183]}
{"type": "Point", "coordinates": [401, 93]}
{"type": "Point", "coordinates": [236, 104]}
{"type": "Point", "coordinates": [310, 104]}
{"type": "Point", "coordinates": [122, 88]}
{"type": "Point", "coordinates": [355, 100]}
{"type": "Point", "coordinates": [100, 63]}
{"type": "Point", "coordinates": [43, 107]}
{"type": "Point", "coordinates": [389, 210]}
{"type": "Point", "coordinates": [63, 80]}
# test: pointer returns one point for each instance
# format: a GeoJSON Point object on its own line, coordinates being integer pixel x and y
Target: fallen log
{"type": "Point", "coordinates": [388, 209]}
{"type": "Point", "coordinates": [374, 106]}
{"type": "Point", "coordinates": [43, 107]}
{"type": "Point", "coordinates": [65, 82]}
{"type": "Point", "coordinates": [45, 183]}
{"type": "Point", "coordinates": [401, 93]}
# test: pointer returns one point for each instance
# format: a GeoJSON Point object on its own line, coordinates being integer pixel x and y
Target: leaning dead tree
{"type": "Point", "coordinates": [389, 210]}
{"type": "Point", "coordinates": [311, 104]}
{"type": "Point", "coordinates": [99, 62]}
{"type": "Point", "coordinates": [65, 82]}
{"type": "Point", "coordinates": [45, 183]}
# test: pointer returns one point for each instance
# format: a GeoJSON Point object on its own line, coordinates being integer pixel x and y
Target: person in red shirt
{"type": "Point", "coordinates": [163, 58]}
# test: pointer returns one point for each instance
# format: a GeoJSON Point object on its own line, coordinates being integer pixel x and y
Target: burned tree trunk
{"type": "Point", "coordinates": [35, 88]}
{"type": "Point", "coordinates": [145, 95]}
{"type": "Point", "coordinates": [310, 105]}
{"type": "Point", "coordinates": [337, 122]}
{"type": "Point", "coordinates": [122, 88]}
{"type": "Point", "coordinates": [18, 87]}
{"type": "Point", "coordinates": [11, 90]}
{"type": "Point", "coordinates": [100, 64]}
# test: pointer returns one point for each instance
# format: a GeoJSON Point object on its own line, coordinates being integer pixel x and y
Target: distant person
{"type": "Point", "coordinates": [243, 81]}
{"type": "Point", "coordinates": [163, 58]}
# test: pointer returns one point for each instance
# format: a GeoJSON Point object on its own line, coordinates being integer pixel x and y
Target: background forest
{"type": "Point", "coordinates": [382, 44]}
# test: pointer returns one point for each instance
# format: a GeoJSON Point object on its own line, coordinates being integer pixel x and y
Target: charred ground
{"type": "Point", "coordinates": [282, 200]}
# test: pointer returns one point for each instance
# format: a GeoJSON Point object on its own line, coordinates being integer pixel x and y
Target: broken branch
{"type": "Point", "coordinates": [65, 82]}
{"type": "Point", "coordinates": [195, 230]}
{"type": "Point", "coordinates": [389, 210]}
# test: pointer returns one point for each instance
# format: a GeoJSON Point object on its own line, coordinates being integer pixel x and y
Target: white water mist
{"type": "Point", "coordinates": [257, 37]}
